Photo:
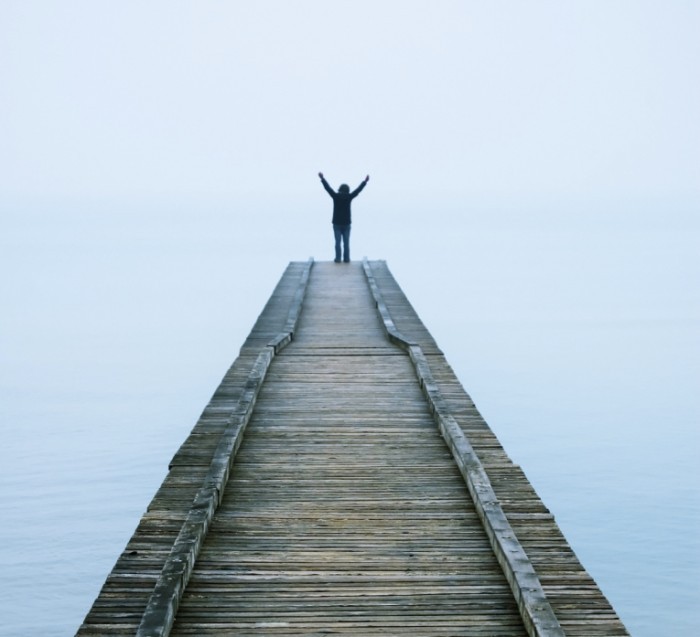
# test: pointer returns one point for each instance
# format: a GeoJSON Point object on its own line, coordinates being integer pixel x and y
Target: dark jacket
{"type": "Point", "coordinates": [341, 203]}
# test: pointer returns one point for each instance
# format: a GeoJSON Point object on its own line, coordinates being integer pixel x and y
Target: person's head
{"type": "Point", "coordinates": [344, 188]}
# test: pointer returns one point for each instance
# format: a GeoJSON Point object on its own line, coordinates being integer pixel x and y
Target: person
{"type": "Point", "coordinates": [341, 215]}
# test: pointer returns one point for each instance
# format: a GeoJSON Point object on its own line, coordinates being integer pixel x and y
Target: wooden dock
{"type": "Point", "coordinates": [342, 482]}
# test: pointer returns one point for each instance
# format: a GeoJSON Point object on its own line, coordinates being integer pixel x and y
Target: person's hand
{"type": "Point", "coordinates": [320, 175]}
{"type": "Point", "coordinates": [366, 178]}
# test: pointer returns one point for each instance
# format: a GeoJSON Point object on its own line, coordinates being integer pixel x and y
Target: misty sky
{"type": "Point", "coordinates": [437, 100]}
{"type": "Point", "coordinates": [182, 127]}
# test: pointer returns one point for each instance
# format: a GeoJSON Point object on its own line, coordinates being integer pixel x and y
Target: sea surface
{"type": "Point", "coordinates": [116, 330]}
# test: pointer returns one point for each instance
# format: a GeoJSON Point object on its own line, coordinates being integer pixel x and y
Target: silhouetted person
{"type": "Point", "coordinates": [341, 215]}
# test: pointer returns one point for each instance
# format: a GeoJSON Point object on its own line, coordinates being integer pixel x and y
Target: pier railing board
{"type": "Point", "coordinates": [162, 605]}
{"type": "Point", "coordinates": [537, 614]}
{"type": "Point", "coordinates": [120, 607]}
{"type": "Point", "coordinates": [345, 511]}
{"type": "Point", "coordinates": [572, 593]}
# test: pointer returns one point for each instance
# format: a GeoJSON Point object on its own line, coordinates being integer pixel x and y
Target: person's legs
{"type": "Point", "coordinates": [346, 243]}
{"type": "Point", "coordinates": [338, 232]}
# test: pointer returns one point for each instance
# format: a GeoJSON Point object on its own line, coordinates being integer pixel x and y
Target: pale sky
{"type": "Point", "coordinates": [170, 99]}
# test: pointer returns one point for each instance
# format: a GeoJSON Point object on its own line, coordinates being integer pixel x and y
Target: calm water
{"type": "Point", "coordinates": [111, 348]}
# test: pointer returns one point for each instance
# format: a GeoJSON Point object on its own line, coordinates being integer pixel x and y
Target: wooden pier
{"type": "Point", "coordinates": [342, 482]}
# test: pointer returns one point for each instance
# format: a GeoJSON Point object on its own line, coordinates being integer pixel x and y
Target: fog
{"type": "Point", "coordinates": [535, 189]}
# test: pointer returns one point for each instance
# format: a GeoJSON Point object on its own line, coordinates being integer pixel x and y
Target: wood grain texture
{"type": "Point", "coordinates": [344, 512]}
{"type": "Point", "coordinates": [578, 603]}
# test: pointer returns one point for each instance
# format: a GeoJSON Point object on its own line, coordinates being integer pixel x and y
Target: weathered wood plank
{"type": "Point", "coordinates": [537, 535]}
{"type": "Point", "coordinates": [344, 496]}
{"type": "Point", "coordinates": [176, 497]}
{"type": "Point", "coordinates": [344, 512]}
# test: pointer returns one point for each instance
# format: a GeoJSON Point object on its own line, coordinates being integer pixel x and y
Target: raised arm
{"type": "Point", "coordinates": [329, 190]}
{"type": "Point", "coordinates": [358, 190]}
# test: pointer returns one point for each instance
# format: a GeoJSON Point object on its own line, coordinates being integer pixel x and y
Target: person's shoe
{"type": "Point", "coordinates": [346, 260]}
{"type": "Point", "coordinates": [336, 260]}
